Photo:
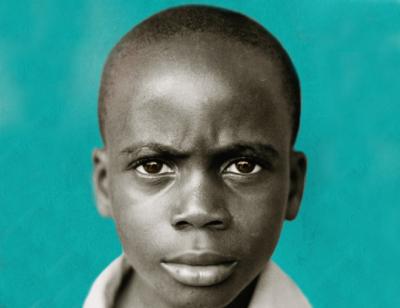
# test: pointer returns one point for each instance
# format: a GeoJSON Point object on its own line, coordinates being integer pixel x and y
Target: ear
{"type": "Point", "coordinates": [298, 166]}
{"type": "Point", "coordinates": [100, 182]}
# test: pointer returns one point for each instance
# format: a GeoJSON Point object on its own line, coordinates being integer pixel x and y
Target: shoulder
{"type": "Point", "coordinates": [275, 289]}
{"type": "Point", "coordinates": [104, 288]}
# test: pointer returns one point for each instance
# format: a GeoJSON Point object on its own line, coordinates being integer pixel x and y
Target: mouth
{"type": "Point", "coordinates": [199, 268]}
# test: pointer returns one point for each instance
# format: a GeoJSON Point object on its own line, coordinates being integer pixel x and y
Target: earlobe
{"type": "Point", "coordinates": [100, 182]}
{"type": "Point", "coordinates": [298, 166]}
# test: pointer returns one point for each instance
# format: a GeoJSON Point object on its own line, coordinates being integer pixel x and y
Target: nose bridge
{"type": "Point", "coordinates": [200, 204]}
{"type": "Point", "coordinates": [199, 188]}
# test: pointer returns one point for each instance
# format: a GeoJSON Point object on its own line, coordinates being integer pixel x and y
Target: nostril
{"type": "Point", "coordinates": [181, 224]}
{"type": "Point", "coordinates": [215, 224]}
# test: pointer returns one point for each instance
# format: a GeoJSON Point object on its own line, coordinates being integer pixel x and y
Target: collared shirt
{"type": "Point", "coordinates": [274, 288]}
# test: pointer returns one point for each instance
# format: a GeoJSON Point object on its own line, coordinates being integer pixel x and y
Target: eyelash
{"type": "Point", "coordinates": [142, 161]}
{"type": "Point", "coordinates": [255, 160]}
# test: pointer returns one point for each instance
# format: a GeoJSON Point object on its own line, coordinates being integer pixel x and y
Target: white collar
{"type": "Point", "coordinates": [274, 288]}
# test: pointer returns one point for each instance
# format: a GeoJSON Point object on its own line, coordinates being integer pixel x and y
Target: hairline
{"type": "Point", "coordinates": [141, 37]}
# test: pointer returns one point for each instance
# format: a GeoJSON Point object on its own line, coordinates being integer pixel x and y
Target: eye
{"type": "Point", "coordinates": [154, 167]}
{"type": "Point", "coordinates": [243, 166]}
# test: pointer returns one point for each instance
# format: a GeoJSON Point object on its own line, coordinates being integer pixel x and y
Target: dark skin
{"type": "Point", "coordinates": [198, 157]}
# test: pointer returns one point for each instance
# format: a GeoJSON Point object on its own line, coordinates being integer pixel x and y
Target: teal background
{"type": "Point", "coordinates": [343, 250]}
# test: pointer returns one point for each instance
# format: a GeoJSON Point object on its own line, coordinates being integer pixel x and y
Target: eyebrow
{"type": "Point", "coordinates": [159, 148]}
{"type": "Point", "coordinates": [241, 148]}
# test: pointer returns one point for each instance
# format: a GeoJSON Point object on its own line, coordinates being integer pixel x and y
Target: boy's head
{"type": "Point", "coordinates": [199, 110]}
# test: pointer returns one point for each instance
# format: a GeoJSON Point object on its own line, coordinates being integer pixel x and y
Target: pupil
{"type": "Point", "coordinates": [152, 167]}
{"type": "Point", "coordinates": [245, 166]}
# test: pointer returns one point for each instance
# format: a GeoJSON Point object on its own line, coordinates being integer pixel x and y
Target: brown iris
{"type": "Point", "coordinates": [245, 166]}
{"type": "Point", "coordinates": [152, 167]}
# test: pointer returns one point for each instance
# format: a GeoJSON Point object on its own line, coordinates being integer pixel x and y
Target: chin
{"type": "Point", "coordinates": [217, 296]}
{"type": "Point", "coordinates": [202, 300]}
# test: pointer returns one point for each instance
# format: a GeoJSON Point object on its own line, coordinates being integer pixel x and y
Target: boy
{"type": "Point", "coordinates": [199, 110]}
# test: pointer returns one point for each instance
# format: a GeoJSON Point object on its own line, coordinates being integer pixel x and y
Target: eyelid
{"type": "Point", "coordinates": [262, 164]}
{"type": "Point", "coordinates": [141, 161]}
{"type": "Point", "coordinates": [257, 168]}
{"type": "Point", "coordinates": [161, 172]}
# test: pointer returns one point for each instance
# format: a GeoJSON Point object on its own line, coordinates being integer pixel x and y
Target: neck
{"type": "Point", "coordinates": [243, 299]}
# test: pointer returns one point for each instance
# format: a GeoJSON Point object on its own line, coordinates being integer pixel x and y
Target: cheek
{"type": "Point", "coordinates": [259, 215]}
{"type": "Point", "coordinates": [140, 220]}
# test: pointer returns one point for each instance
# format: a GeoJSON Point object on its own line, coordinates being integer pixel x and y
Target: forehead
{"type": "Point", "coordinates": [198, 53]}
{"type": "Point", "coordinates": [198, 80]}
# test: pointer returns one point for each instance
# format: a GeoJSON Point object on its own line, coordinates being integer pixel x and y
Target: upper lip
{"type": "Point", "coordinates": [199, 258]}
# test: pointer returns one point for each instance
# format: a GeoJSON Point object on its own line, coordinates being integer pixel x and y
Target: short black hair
{"type": "Point", "coordinates": [186, 20]}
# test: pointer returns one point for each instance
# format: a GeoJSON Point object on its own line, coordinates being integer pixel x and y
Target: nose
{"type": "Point", "coordinates": [200, 205]}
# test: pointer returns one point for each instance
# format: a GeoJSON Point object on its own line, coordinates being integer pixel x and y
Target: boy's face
{"type": "Point", "coordinates": [198, 171]}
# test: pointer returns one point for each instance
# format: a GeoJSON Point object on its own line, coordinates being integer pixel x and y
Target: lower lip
{"type": "Point", "coordinates": [199, 276]}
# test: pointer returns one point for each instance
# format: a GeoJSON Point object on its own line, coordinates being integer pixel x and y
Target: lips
{"type": "Point", "coordinates": [199, 268]}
